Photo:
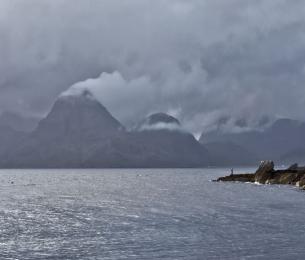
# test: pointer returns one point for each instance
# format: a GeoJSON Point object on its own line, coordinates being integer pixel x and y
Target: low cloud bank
{"type": "Point", "coordinates": [232, 63]}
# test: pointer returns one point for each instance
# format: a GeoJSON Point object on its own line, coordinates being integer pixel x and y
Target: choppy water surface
{"type": "Point", "coordinates": [146, 214]}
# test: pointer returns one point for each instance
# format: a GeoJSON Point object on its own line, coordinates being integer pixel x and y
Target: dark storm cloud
{"type": "Point", "coordinates": [201, 60]}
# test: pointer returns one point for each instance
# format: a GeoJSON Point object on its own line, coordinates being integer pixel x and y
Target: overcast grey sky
{"type": "Point", "coordinates": [199, 60]}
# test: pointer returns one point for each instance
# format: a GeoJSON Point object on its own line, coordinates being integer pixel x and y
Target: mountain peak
{"type": "Point", "coordinates": [161, 118]}
{"type": "Point", "coordinates": [78, 115]}
{"type": "Point", "coordinates": [160, 121]}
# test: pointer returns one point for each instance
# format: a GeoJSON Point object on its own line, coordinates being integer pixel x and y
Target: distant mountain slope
{"type": "Point", "coordinates": [273, 143]}
{"type": "Point", "coordinates": [18, 122]}
{"type": "Point", "coordinates": [230, 154]}
{"type": "Point", "coordinates": [151, 149]}
{"type": "Point", "coordinates": [80, 132]}
{"type": "Point", "coordinates": [158, 145]}
{"type": "Point", "coordinates": [9, 140]}
{"type": "Point", "coordinates": [295, 155]}
{"type": "Point", "coordinates": [67, 136]}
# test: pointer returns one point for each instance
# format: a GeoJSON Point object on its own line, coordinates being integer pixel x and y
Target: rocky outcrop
{"type": "Point", "coordinates": [248, 177]}
{"type": "Point", "coordinates": [265, 174]}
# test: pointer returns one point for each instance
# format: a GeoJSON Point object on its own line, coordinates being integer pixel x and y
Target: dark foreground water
{"type": "Point", "coordinates": [146, 214]}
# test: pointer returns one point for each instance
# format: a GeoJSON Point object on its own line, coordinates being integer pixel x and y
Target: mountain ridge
{"type": "Point", "coordinates": [79, 132]}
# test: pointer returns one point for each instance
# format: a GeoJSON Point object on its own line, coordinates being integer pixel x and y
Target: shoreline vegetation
{"type": "Point", "coordinates": [266, 174]}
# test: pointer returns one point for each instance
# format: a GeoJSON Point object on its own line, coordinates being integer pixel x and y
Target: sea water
{"type": "Point", "coordinates": [147, 214]}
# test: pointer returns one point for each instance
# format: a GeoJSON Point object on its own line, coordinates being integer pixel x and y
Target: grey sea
{"type": "Point", "coordinates": [146, 214]}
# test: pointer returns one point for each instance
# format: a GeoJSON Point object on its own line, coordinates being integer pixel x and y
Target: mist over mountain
{"type": "Point", "coordinates": [163, 133]}
{"type": "Point", "coordinates": [159, 121]}
{"type": "Point", "coordinates": [227, 68]}
{"type": "Point", "coordinates": [78, 118]}
{"type": "Point", "coordinates": [80, 132]}
{"type": "Point", "coordinates": [159, 118]}
{"type": "Point", "coordinates": [18, 122]}
{"type": "Point", "coordinates": [283, 141]}
{"type": "Point", "coordinates": [118, 117]}
{"type": "Point", "coordinates": [197, 60]}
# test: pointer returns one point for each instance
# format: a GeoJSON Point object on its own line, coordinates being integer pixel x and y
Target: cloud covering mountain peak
{"type": "Point", "coordinates": [202, 59]}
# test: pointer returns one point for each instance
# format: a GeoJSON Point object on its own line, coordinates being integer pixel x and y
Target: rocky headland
{"type": "Point", "coordinates": [266, 174]}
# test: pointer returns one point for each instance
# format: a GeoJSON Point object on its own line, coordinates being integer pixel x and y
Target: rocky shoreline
{"type": "Point", "coordinates": [266, 174]}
